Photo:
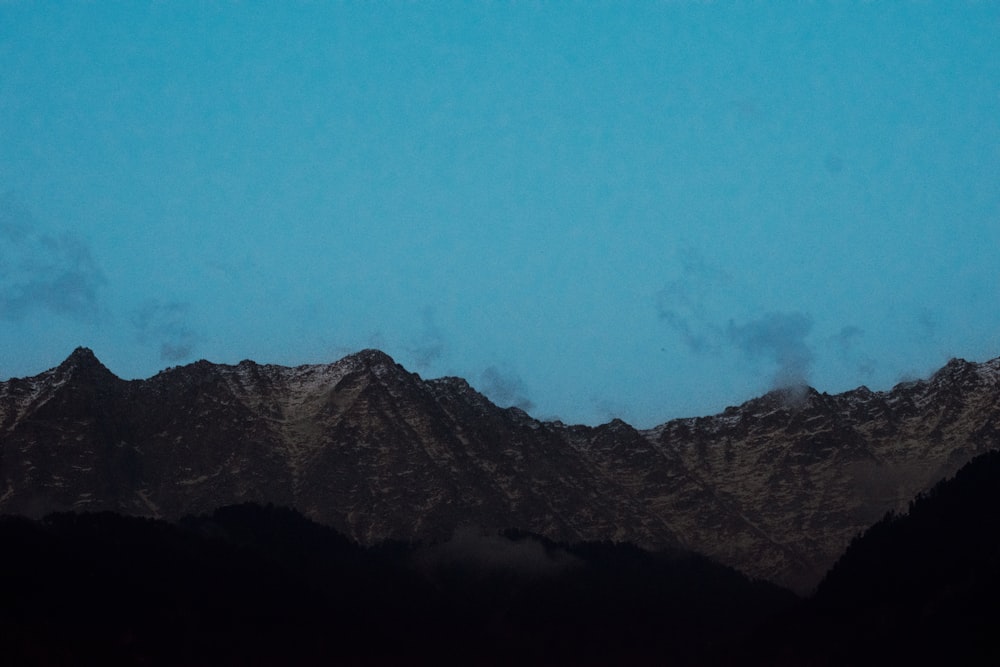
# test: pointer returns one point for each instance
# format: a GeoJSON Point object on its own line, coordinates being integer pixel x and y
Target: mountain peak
{"type": "Point", "coordinates": [83, 359]}
{"type": "Point", "coordinates": [81, 356]}
{"type": "Point", "coordinates": [373, 353]}
{"type": "Point", "coordinates": [374, 357]}
{"type": "Point", "coordinates": [793, 397]}
{"type": "Point", "coordinates": [954, 365]}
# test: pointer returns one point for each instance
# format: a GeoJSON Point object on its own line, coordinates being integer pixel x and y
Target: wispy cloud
{"type": "Point", "coordinates": [682, 303]}
{"type": "Point", "coordinates": [45, 271]}
{"type": "Point", "coordinates": [694, 308]}
{"type": "Point", "coordinates": [168, 326]}
{"type": "Point", "coordinates": [927, 325]}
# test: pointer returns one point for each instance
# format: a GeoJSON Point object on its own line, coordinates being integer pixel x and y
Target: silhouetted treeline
{"type": "Point", "coordinates": [253, 585]}
{"type": "Point", "coordinates": [922, 588]}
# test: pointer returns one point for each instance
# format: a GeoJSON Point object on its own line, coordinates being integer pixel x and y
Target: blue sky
{"type": "Point", "coordinates": [591, 210]}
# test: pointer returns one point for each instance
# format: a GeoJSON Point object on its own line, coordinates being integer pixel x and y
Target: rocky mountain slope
{"type": "Point", "coordinates": [776, 487]}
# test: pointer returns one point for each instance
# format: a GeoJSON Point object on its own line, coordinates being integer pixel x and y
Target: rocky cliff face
{"type": "Point", "coordinates": [776, 487]}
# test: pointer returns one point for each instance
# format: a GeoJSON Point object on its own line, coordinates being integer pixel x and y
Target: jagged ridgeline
{"type": "Point", "coordinates": [776, 487]}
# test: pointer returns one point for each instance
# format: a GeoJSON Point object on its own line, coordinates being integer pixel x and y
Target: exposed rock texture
{"type": "Point", "coordinates": [776, 487]}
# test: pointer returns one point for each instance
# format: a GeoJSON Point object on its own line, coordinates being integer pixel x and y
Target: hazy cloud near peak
{"type": "Point", "coordinates": [167, 325]}
{"type": "Point", "coordinates": [430, 344]}
{"type": "Point", "coordinates": [609, 409]}
{"type": "Point", "coordinates": [846, 342]}
{"type": "Point", "coordinates": [927, 325]}
{"type": "Point", "coordinates": [846, 337]}
{"type": "Point", "coordinates": [779, 338]}
{"type": "Point", "coordinates": [44, 271]}
{"type": "Point", "coordinates": [505, 388]}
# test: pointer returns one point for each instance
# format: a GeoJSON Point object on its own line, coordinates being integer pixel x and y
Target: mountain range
{"type": "Point", "coordinates": [776, 487]}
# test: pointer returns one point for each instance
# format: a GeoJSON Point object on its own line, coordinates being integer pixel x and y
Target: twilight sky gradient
{"type": "Point", "coordinates": [586, 210]}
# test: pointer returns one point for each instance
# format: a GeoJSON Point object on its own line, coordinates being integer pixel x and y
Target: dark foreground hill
{"type": "Point", "coordinates": [920, 588]}
{"type": "Point", "coordinates": [260, 585]}
{"type": "Point", "coordinates": [252, 585]}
